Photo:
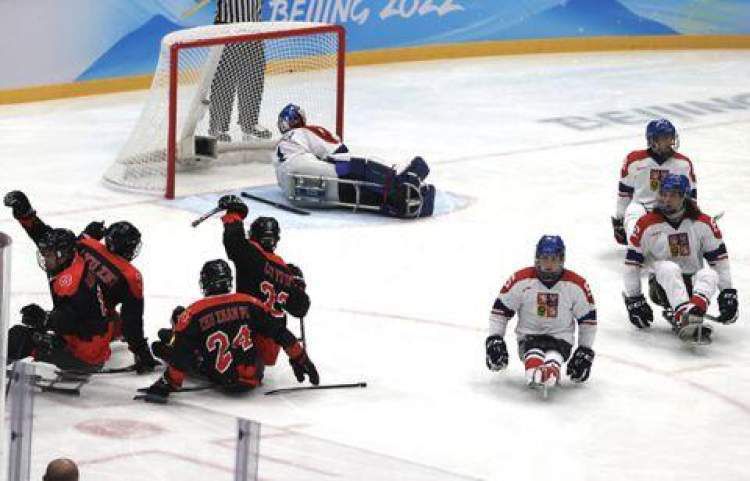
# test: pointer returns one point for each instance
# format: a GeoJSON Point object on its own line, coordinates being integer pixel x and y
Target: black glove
{"type": "Point", "coordinates": [157, 393]}
{"type": "Point", "coordinates": [20, 204]}
{"type": "Point", "coordinates": [727, 306]}
{"type": "Point", "coordinates": [176, 313]}
{"type": "Point", "coordinates": [497, 353]}
{"type": "Point", "coordinates": [144, 360]}
{"type": "Point", "coordinates": [95, 229]}
{"type": "Point", "coordinates": [34, 316]}
{"type": "Point", "coordinates": [233, 204]}
{"type": "Point", "coordinates": [579, 367]}
{"type": "Point", "coordinates": [301, 365]}
{"type": "Point", "coordinates": [299, 278]}
{"type": "Point", "coordinates": [639, 311]}
{"type": "Point", "coordinates": [619, 230]}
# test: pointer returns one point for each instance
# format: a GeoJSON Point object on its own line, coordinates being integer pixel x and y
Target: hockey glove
{"type": "Point", "coordinates": [727, 306]}
{"type": "Point", "coordinates": [95, 229]}
{"type": "Point", "coordinates": [34, 316]}
{"type": "Point", "coordinates": [299, 278]}
{"type": "Point", "coordinates": [497, 353]}
{"type": "Point", "coordinates": [619, 231]}
{"type": "Point", "coordinates": [20, 204]}
{"type": "Point", "coordinates": [233, 205]}
{"type": "Point", "coordinates": [301, 364]}
{"type": "Point", "coordinates": [639, 311]}
{"type": "Point", "coordinates": [144, 360]}
{"type": "Point", "coordinates": [579, 367]}
{"type": "Point", "coordinates": [157, 393]}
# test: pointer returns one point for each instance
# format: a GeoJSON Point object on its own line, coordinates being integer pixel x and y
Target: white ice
{"type": "Point", "coordinates": [404, 305]}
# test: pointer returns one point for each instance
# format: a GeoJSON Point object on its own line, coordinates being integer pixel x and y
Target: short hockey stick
{"type": "Point", "coordinates": [205, 216]}
{"type": "Point", "coordinates": [312, 388]}
{"type": "Point", "coordinates": [278, 205]}
{"type": "Point", "coordinates": [106, 370]}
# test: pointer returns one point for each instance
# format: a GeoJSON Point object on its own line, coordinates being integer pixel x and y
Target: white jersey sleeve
{"type": "Point", "coordinates": [308, 140]}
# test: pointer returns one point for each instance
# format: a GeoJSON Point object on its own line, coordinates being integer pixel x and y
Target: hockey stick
{"type": "Point", "coordinates": [106, 370]}
{"type": "Point", "coordinates": [205, 216]}
{"type": "Point", "coordinates": [311, 388]}
{"type": "Point", "coordinates": [278, 205]}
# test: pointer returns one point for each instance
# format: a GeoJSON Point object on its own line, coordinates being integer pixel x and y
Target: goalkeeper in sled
{"type": "Point", "coordinates": [315, 169]}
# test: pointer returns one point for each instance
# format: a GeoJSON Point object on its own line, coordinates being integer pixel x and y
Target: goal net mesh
{"type": "Point", "coordinates": [228, 82]}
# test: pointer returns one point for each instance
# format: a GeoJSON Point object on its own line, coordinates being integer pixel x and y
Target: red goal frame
{"type": "Point", "coordinates": [174, 69]}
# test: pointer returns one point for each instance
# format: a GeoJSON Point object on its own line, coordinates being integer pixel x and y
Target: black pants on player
{"type": "Point", "coordinates": [240, 72]}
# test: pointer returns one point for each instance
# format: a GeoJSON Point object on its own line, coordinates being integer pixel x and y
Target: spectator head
{"type": "Point", "coordinates": [61, 469]}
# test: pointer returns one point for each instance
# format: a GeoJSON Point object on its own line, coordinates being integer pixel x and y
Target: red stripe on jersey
{"type": "Point", "coordinates": [644, 223]}
{"type": "Point", "coordinates": [197, 307]}
{"type": "Point", "coordinates": [268, 255]}
{"type": "Point", "coordinates": [323, 133]}
{"type": "Point", "coordinates": [66, 283]}
{"type": "Point", "coordinates": [571, 276]}
{"type": "Point", "coordinates": [525, 273]}
{"type": "Point", "coordinates": [634, 156]}
{"type": "Point", "coordinates": [708, 220]}
{"type": "Point", "coordinates": [131, 274]}
{"type": "Point", "coordinates": [691, 173]}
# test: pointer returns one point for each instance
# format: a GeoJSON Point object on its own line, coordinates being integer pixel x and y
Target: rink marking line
{"type": "Point", "coordinates": [674, 375]}
{"type": "Point", "coordinates": [161, 452]}
{"type": "Point", "coordinates": [577, 143]}
{"type": "Point", "coordinates": [229, 443]}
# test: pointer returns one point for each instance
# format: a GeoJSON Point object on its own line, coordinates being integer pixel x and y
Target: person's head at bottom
{"type": "Point", "coordinates": [61, 469]}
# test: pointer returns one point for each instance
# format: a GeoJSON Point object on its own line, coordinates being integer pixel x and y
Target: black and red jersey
{"type": "Point", "coordinates": [262, 274]}
{"type": "Point", "coordinates": [222, 330]}
{"type": "Point", "coordinates": [78, 312]}
{"type": "Point", "coordinates": [120, 281]}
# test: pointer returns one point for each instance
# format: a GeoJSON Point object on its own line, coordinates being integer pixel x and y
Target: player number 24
{"type": "Point", "coordinates": [220, 341]}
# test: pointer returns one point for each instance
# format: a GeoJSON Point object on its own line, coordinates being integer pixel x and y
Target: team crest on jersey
{"type": "Point", "coordinates": [546, 304]}
{"type": "Point", "coordinates": [656, 177]}
{"type": "Point", "coordinates": [679, 244]}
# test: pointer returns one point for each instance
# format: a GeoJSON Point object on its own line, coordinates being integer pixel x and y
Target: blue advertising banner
{"type": "Point", "coordinates": [114, 38]}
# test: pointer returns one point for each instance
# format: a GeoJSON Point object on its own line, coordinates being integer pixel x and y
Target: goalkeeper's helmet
{"type": "Point", "coordinates": [661, 137]}
{"type": "Point", "coordinates": [549, 258]}
{"type": "Point", "coordinates": [216, 277]}
{"type": "Point", "coordinates": [123, 239]}
{"type": "Point", "coordinates": [266, 232]}
{"type": "Point", "coordinates": [56, 250]}
{"type": "Point", "coordinates": [291, 117]}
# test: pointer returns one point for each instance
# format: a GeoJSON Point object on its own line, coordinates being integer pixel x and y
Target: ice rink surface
{"type": "Point", "coordinates": [404, 305]}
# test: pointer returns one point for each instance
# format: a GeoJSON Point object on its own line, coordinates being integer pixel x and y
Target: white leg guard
{"type": "Point", "coordinates": [706, 283]}
{"type": "Point", "coordinates": [669, 277]}
{"type": "Point", "coordinates": [633, 212]}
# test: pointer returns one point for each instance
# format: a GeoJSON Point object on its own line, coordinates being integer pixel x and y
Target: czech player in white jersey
{"type": "Point", "coordinates": [672, 242]}
{"type": "Point", "coordinates": [642, 173]}
{"type": "Point", "coordinates": [315, 169]}
{"type": "Point", "coordinates": [551, 303]}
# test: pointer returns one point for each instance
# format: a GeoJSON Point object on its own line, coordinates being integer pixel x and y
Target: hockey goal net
{"type": "Point", "coordinates": [215, 98]}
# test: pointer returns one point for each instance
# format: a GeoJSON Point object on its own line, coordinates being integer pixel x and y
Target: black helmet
{"type": "Point", "coordinates": [123, 239]}
{"type": "Point", "coordinates": [266, 232]}
{"type": "Point", "coordinates": [216, 277]}
{"type": "Point", "coordinates": [56, 250]}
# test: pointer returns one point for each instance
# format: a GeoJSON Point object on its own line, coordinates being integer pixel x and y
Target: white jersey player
{"type": "Point", "coordinates": [550, 302]}
{"type": "Point", "coordinates": [315, 169]}
{"type": "Point", "coordinates": [642, 173]}
{"type": "Point", "coordinates": [673, 242]}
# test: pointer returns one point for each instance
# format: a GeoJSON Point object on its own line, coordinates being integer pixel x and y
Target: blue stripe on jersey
{"type": "Point", "coordinates": [589, 318]}
{"type": "Point", "coordinates": [634, 256]}
{"type": "Point", "coordinates": [694, 194]}
{"type": "Point", "coordinates": [502, 309]}
{"type": "Point", "coordinates": [714, 255]}
{"type": "Point", "coordinates": [625, 189]}
{"type": "Point", "coordinates": [343, 149]}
